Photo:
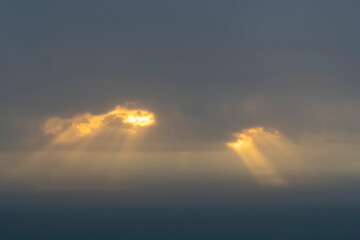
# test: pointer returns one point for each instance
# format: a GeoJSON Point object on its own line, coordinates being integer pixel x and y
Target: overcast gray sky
{"type": "Point", "coordinates": [206, 69]}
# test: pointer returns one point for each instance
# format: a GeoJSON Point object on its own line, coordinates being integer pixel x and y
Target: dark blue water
{"type": "Point", "coordinates": [56, 217]}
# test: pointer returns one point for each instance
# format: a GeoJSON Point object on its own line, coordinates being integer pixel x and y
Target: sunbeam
{"type": "Point", "coordinates": [253, 158]}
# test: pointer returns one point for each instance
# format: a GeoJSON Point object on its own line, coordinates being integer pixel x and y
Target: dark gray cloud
{"type": "Point", "coordinates": [206, 68]}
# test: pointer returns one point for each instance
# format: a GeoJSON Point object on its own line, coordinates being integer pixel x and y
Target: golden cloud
{"type": "Point", "coordinates": [72, 129]}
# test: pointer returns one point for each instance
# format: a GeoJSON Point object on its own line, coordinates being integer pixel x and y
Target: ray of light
{"type": "Point", "coordinates": [256, 162]}
{"type": "Point", "coordinates": [66, 162]}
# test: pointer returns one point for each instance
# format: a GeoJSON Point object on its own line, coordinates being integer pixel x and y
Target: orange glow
{"type": "Point", "coordinates": [243, 141]}
{"type": "Point", "coordinates": [71, 129]}
{"type": "Point", "coordinates": [140, 118]}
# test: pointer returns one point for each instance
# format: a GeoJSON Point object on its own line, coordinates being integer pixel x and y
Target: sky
{"type": "Point", "coordinates": [180, 103]}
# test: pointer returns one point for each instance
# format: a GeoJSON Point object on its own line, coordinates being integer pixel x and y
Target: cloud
{"type": "Point", "coordinates": [72, 129]}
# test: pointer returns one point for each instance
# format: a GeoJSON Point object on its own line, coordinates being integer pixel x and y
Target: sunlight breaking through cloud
{"type": "Point", "coordinates": [72, 129]}
{"type": "Point", "coordinates": [252, 156]}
